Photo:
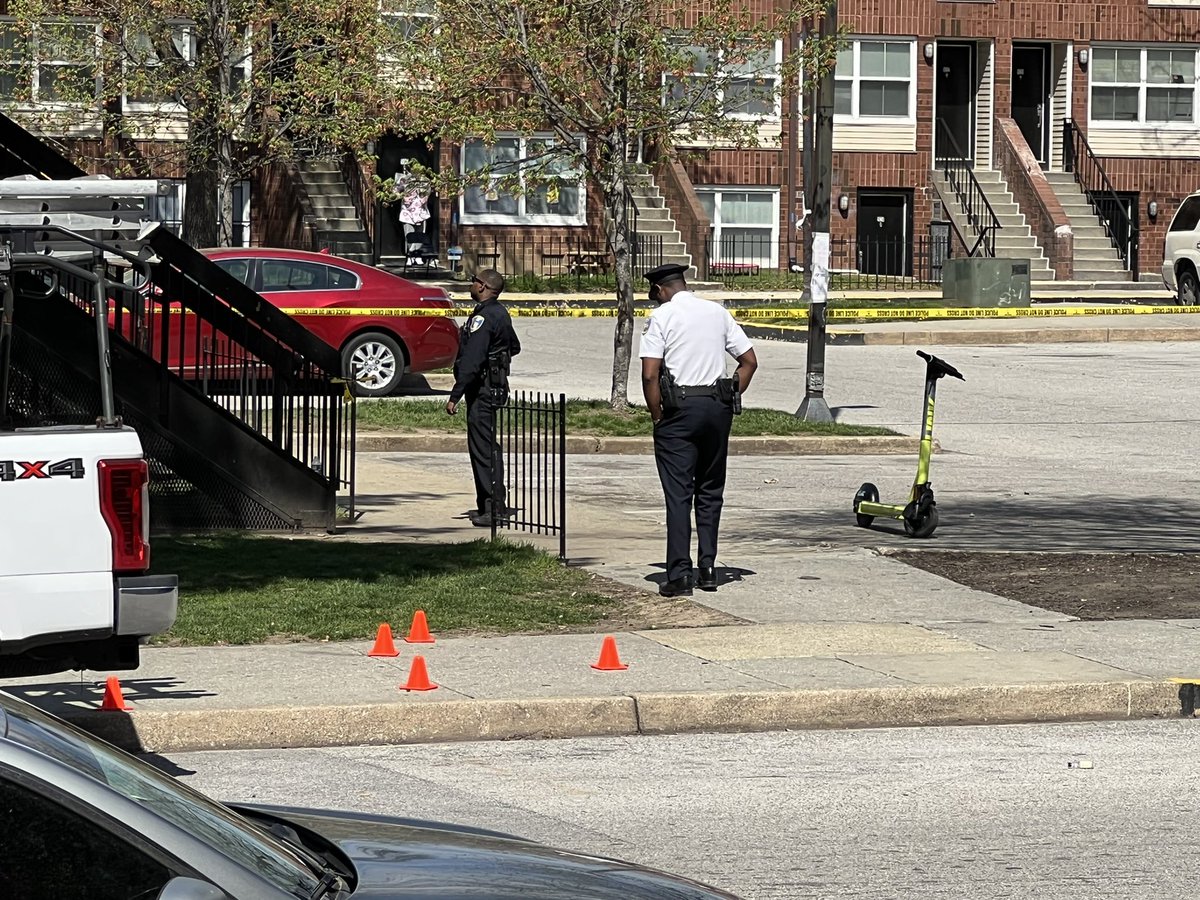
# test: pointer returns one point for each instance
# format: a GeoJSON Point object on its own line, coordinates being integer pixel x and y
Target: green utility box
{"type": "Point", "coordinates": [983, 281]}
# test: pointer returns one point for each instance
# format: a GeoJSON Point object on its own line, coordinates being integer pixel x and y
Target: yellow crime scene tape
{"type": "Point", "coordinates": [983, 312]}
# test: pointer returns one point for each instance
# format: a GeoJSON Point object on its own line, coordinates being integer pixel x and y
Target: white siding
{"type": "Point", "coordinates": [770, 135]}
{"type": "Point", "coordinates": [874, 138]}
{"type": "Point", "coordinates": [985, 96]}
{"type": "Point", "coordinates": [1060, 101]}
{"type": "Point", "coordinates": [1143, 141]}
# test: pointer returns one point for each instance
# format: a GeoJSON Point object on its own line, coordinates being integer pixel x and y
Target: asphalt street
{"type": "Point", "coordinates": [958, 813]}
{"type": "Point", "coordinates": [1047, 447]}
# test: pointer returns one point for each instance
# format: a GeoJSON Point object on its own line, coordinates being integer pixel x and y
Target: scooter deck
{"type": "Point", "coordinates": [879, 510]}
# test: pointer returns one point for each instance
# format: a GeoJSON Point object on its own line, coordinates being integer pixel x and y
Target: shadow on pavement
{"type": "Point", "coordinates": [59, 697]}
{"type": "Point", "coordinates": [1025, 523]}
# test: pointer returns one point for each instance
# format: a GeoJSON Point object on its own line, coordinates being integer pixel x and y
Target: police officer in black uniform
{"type": "Point", "coordinates": [486, 345]}
{"type": "Point", "coordinates": [685, 351]}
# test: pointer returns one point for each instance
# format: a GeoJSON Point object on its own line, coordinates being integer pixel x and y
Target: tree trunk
{"type": "Point", "coordinates": [618, 241]}
{"type": "Point", "coordinates": [200, 213]}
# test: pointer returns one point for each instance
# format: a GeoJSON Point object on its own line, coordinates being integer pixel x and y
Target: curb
{"type": "Point", "coordinates": [815, 445]}
{"type": "Point", "coordinates": [981, 337]}
{"type": "Point", "coordinates": [644, 714]}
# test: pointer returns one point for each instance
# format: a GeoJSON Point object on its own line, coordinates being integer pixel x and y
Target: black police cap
{"type": "Point", "coordinates": [666, 273]}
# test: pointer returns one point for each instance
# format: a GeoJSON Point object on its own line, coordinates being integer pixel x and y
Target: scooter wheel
{"type": "Point", "coordinates": [869, 493]}
{"type": "Point", "coordinates": [924, 526]}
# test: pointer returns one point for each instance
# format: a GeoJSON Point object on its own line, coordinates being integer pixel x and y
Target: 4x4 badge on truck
{"type": "Point", "coordinates": [69, 468]}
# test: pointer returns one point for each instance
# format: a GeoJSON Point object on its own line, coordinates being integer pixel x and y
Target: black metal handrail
{"type": "Point", "coordinates": [1079, 159]}
{"type": "Point", "coordinates": [956, 168]}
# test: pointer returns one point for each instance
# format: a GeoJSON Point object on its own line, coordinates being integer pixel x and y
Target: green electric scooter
{"type": "Point", "coordinates": [920, 514]}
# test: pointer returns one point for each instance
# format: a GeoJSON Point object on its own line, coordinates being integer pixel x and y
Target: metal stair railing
{"type": "Point", "coordinates": [1079, 159]}
{"type": "Point", "coordinates": [956, 169]}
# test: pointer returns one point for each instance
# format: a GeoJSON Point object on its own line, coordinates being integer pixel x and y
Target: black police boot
{"type": "Point", "coordinates": [708, 578]}
{"type": "Point", "coordinates": [680, 587]}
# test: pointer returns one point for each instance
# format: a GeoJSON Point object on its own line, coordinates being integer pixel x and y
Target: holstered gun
{"type": "Point", "coordinates": [729, 392]}
{"type": "Point", "coordinates": [672, 391]}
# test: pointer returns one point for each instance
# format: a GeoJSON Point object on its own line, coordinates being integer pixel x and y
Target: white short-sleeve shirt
{"type": "Point", "coordinates": [692, 337]}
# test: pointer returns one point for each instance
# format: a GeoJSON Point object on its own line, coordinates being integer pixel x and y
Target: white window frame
{"type": "Point", "coordinates": [856, 79]}
{"type": "Point", "coordinates": [396, 11]}
{"type": "Point", "coordinates": [35, 63]}
{"type": "Point", "coordinates": [775, 115]}
{"type": "Point", "coordinates": [522, 217]}
{"type": "Point", "coordinates": [1143, 85]}
{"type": "Point", "coordinates": [717, 191]}
{"type": "Point", "coordinates": [128, 105]}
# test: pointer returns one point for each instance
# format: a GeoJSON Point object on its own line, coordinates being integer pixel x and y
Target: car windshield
{"type": "Point", "coordinates": [205, 819]}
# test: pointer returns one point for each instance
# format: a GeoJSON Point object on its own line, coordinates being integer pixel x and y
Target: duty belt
{"type": "Point", "coordinates": [699, 390]}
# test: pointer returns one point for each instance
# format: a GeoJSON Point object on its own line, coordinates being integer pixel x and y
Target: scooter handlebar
{"type": "Point", "coordinates": [939, 367]}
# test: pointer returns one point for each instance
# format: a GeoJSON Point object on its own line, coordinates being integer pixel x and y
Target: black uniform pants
{"type": "Point", "coordinates": [482, 445]}
{"type": "Point", "coordinates": [691, 446]}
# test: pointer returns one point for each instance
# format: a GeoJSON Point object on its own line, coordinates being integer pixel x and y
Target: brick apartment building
{"type": "Point", "coordinates": [937, 103]}
{"type": "Point", "coordinates": [1077, 122]}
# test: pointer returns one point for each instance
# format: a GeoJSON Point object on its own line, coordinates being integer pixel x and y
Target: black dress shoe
{"type": "Point", "coordinates": [680, 587]}
{"type": "Point", "coordinates": [708, 578]}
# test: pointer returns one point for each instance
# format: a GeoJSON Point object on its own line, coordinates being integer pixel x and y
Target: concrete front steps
{"type": "Point", "coordinates": [1014, 239]}
{"type": "Point", "coordinates": [1096, 259]}
{"type": "Point", "coordinates": [654, 219]}
{"type": "Point", "coordinates": [333, 208]}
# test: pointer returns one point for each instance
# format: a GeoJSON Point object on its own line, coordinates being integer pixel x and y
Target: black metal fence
{"type": "Point", "coordinates": [531, 464]}
{"type": "Point", "coordinates": [258, 366]}
{"type": "Point", "coordinates": [1120, 227]}
{"type": "Point", "coordinates": [548, 263]}
{"type": "Point", "coordinates": [864, 264]}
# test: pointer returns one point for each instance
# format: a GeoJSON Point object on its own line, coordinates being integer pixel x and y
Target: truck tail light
{"type": "Point", "coordinates": [438, 301]}
{"type": "Point", "coordinates": [124, 489]}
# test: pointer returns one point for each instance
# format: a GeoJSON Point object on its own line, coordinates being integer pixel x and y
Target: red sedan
{"type": "Point", "coordinates": [380, 348]}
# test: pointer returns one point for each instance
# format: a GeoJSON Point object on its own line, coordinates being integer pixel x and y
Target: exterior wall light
{"type": "Point", "coordinates": [928, 52]}
{"type": "Point", "coordinates": [1152, 209]}
{"type": "Point", "coordinates": [1083, 57]}
{"type": "Point", "coordinates": [843, 204]}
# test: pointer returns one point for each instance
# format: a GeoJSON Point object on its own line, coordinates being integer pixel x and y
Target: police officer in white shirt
{"type": "Point", "coordinates": [692, 403]}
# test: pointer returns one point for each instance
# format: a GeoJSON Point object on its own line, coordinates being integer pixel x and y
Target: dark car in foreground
{"type": "Point", "coordinates": [81, 819]}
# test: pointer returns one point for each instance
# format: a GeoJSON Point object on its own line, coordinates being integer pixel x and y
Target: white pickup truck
{"type": "Point", "coordinates": [74, 523]}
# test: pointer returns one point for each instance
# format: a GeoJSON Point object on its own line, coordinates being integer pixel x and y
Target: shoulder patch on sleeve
{"type": "Point", "coordinates": [476, 323]}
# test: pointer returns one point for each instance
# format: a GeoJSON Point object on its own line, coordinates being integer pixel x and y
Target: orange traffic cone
{"type": "Point", "coordinates": [113, 698]}
{"type": "Point", "coordinates": [418, 677]}
{"type": "Point", "coordinates": [384, 645]}
{"type": "Point", "coordinates": [609, 660]}
{"type": "Point", "coordinates": [419, 632]}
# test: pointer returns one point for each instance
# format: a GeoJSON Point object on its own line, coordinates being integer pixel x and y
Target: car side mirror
{"type": "Point", "coordinates": [183, 888]}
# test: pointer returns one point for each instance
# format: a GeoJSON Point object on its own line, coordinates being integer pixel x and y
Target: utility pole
{"type": "Point", "coordinates": [818, 176]}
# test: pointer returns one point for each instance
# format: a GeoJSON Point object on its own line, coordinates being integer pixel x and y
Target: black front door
{"type": "Point", "coordinates": [954, 112]}
{"type": "Point", "coordinates": [1031, 98]}
{"type": "Point", "coordinates": [396, 154]}
{"type": "Point", "coordinates": [884, 232]}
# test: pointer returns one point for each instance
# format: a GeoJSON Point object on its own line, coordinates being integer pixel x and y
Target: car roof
{"type": "Point", "coordinates": [361, 269]}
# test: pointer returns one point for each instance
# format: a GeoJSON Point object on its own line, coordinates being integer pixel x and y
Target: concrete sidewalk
{"type": "Point", "coordinates": [963, 657]}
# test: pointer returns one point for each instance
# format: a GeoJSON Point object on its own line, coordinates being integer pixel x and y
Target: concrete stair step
{"type": "Point", "coordinates": [342, 224]}
{"type": "Point", "coordinates": [1107, 275]}
{"type": "Point", "coordinates": [653, 212]}
{"type": "Point", "coordinates": [322, 178]}
{"type": "Point", "coordinates": [1094, 263]}
{"type": "Point", "coordinates": [1091, 242]}
{"type": "Point", "coordinates": [318, 165]}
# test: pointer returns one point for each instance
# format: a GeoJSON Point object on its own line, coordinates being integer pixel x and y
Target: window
{"type": "Point", "coordinates": [144, 87]}
{"type": "Point", "coordinates": [287, 275]}
{"type": "Point", "coordinates": [1188, 217]}
{"type": "Point", "coordinates": [408, 19]}
{"type": "Point", "coordinates": [549, 189]}
{"type": "Point", "coordinates": [54, 65]}
{"type": "Point", "coordinates": [238, 268]}
{"type": "Point", "coordinates": [745, 225]}
{"type": "Point", "coordinates": [1152, 86]}
{"type": "Point", "coordinates": [875, 80]}
{"type": "Point", "coordinates": [169, 210]}
{"type": "Point", "coordinates": [750, 86]}
{"type": "Point", "coordinates": [91, 864]}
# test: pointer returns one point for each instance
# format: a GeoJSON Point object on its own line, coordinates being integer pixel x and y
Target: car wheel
{"type": "Point", "coordinates": [376, 363]}
{"type": "Point", "coordinates": [1189, 288]}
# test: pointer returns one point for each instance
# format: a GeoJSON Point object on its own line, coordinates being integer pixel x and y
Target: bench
{"type": "Point", "coordinates": [590, 261]}
{"type": "Point", "coordinates": [553, 263]}
{"type": "Point", "coordinates": [724, 268]}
